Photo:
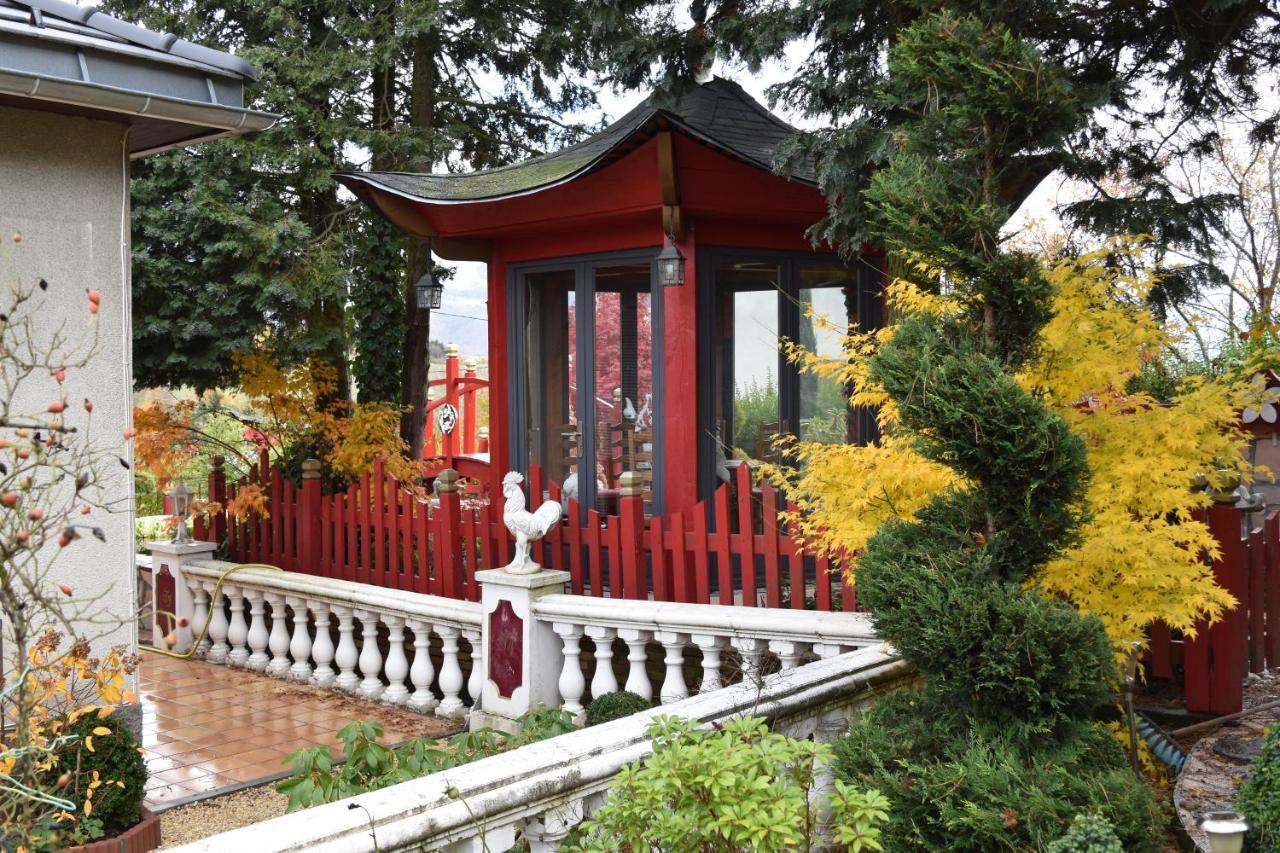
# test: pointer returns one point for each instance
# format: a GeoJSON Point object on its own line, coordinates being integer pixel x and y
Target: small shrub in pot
{"type": "Point", "coordinates": [103, 768]}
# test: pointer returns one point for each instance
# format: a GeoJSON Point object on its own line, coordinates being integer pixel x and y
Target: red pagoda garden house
{"type": "Point", "coordinates": [599, 362]}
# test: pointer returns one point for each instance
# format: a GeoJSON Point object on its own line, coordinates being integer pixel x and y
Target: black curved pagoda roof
{"type": "Point", "coordinates": [718, 113]}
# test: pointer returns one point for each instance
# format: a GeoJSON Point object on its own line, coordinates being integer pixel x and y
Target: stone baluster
{"type": "Point", "coordinates": [346, 657]}
{"type": "Point", "coordinates": [673, 685]}
{"type": "Point", "coordinates": [604, 681]}
{"type": "Point", "coordinates": [450, 674]}
{"type": "Point", "coordinates": [826, 650]}
{"type": "Point", "coordinates": [422, 673]}
{"type": "Point", "coordinates": [572, 684]}
{"type": "Point", "coordinates": [789, 652]}
{"type": "Point", "coordinates": [397, 666]}
{"type": "Point", "coordinates": [238, 630]}
{"type": "Point", "coordinates": [548, 831]}
{"type": "Point", "coordinates": [710, 646]}
{"type": "Point", "coordinates": [637, 677]}
{"type": "Point", "coordinates": [752, 652]}
{"type": "Point", "coordinates": [199, 613]}
{"type": "Point", "coordinates": [322, 647]}
{"type": "Point", "coordinates": [218, 646]}
{"type": "Point", "coordinates": [300, 643]}
{"type": "Point", "coordinates": [257, 636]}
{"type": "Point", "coordinates": [475, 679]}
{"type": "Point", "coordinates": [370, 657]}
{"type": "Point", "coordinates": [278, 640]}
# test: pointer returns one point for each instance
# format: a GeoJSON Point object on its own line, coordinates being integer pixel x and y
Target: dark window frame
{"type": "Point", "coordinates": [584, 371]}
{"type": "Point", "coordinates": [869, 283]}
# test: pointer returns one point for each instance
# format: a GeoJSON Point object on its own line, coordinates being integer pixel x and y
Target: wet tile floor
{"type": "Point", "coordinates": [207, 728]}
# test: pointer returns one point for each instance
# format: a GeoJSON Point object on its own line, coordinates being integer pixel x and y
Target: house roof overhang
{"type": "Point", "coordinates": [58, 57]}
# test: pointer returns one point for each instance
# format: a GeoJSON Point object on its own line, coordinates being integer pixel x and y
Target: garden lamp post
{"type": "Point", "coordinates": [1225, 831]}
{"type": "Point", "coordinates": [181, 497]}
{"type": "Point", "coordinates": [670, 264]}
{"type": "Point", "coordinates": [429, 292]}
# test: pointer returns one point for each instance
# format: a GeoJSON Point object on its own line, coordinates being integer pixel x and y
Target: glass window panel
{"type": "Point", "coordinates": [747, 412]}
{"type": "Point", "coordinates": [828, 307]}
{"type": "Point", "coordinates": [550, 361]}
{"type": "Point", "coordinates": [623, 382]}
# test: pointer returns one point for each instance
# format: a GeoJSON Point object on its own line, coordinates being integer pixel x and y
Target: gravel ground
{"type": "Point", "coordinates": [185, 824]}
{"type": "Point", "coordinates": [1210, 782]}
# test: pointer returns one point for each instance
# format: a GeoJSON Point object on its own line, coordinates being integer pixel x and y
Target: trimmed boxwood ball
{"type": "Point", "coordinates": [117, 758]}
{"type": "Point", "coordinates": [615, 706]}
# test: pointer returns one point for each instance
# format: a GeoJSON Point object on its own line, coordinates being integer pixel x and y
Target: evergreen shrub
{"type": "Point", "coordinates": [615, 706]}
{"type": "Point", "coordinates": [105, 746]}
{"type": "Point", "coordinates": [1259, 799]}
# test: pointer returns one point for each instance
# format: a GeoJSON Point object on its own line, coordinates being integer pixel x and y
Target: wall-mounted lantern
{"type": "Point", "coordinates": [429, 292]}
{"type": "Point", "coordinates": [670, 264]}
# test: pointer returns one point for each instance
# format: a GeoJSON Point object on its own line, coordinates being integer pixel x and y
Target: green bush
{"type": "Point", "coordinates": [103, 745]}
{"type": "Point", "coordinates": [615, 706]}
{"type": "Point", "coordinates": [1089, 833]}
{"type": "Point", "coordinates": [736, 788]}
{"type": "Point", "coordinates": [1259, 799]}
{"type": "Point", "coordinates": [370, 766]}
{"type": "Point", "coordinates": [983, 788]}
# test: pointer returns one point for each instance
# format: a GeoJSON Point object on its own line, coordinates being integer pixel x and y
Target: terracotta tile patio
{"type": "Point", "coordinates": [207, 729]}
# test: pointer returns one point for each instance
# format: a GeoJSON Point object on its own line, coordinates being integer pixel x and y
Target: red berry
{"type": "Point", "coordinates": [36, 514]}
{"type": "Point", "coordinates": [23, 536]}
{"type": "Point", "coordinates": [17, 236]}
{"type": "Point", "coordinates": [64, 539]}
{"type": "Point", "coordinates": [94, 296]}
{"type": "Point", "coordinates": [66, 590]}
{"type": "Point", "coordinates": [60, 375]}
{"type": "Point", "coordinates": [9, 499]}
{"type": "Point", "coordinates": [130, 432]}
{"type": "Point", "coordinates": [88, 404]}
{"type": "Point", "coordinates": [93, 308]}
{"type": "Point", "coordinates": [57, 406]}
{"type": "Point", "coordinates": [84, 510]}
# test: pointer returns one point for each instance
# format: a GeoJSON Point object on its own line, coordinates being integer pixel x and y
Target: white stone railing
{"type": "Point", "coordinates": [755, 640]}
{"type": "Point", "coordinates": [538, 793]}
{"type": "Point", "coordinates": [283, 624]}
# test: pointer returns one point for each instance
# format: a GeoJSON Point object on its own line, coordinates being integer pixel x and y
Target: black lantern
{"type": "Point", "coordinates": [429, 292]}
{"type": "Point", "coordinates": [670, 264]}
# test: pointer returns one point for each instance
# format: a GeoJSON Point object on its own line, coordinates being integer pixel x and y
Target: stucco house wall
{"type": "Point", "coordinates": [64, 185]}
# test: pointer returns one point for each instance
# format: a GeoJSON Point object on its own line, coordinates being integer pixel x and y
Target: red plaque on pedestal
{"type": "Point", "coordinates": [506, 649]}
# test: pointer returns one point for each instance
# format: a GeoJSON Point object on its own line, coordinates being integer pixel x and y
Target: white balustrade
{"type": "Point", "coordinates": [268, 641]}
{"type": "Point", "coordinates": [199, 613]}
{"type": "Point", "coordinates": [762, 640]}
{"type": "Point", "coordinates": [542, 791]}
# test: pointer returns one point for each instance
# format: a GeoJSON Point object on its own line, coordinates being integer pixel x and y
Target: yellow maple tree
{"type": "Point", "coordinates": [1141, 554]}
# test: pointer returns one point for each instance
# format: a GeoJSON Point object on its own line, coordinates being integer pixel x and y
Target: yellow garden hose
{"type": "Point", "coordinates": [204, 629]}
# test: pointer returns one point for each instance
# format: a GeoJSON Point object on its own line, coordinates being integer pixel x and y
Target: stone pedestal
{"type": "Point", "coordinates": [170, 595]}
{"type": "Point", "coordinates": [522, 657]}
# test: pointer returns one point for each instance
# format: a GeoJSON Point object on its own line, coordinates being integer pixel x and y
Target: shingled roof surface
{"type": "Point", "coordinates": [59, 16]}
{"type": "Point", "coordinates": [719, 113]}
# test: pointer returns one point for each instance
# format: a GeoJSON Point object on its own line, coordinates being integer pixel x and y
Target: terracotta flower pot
{"type": "Point", "coordinates": [142, 837]}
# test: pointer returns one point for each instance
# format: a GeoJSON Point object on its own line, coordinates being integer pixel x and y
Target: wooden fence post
{"type": "Point", "coordinates": [449, 443]}
{"type": "Point", "coordinates": [447, 553]}
{"type": "Point", "coordinates": [218, 494]}
{"type": "Point", "coordinates": [309, 529]}
{"type": "Point", "coordinates": [469, 409]}
{"type": "Point", "coordinates": [631, 536]}
{"type": "Point", "coordinates": [1229, 636]}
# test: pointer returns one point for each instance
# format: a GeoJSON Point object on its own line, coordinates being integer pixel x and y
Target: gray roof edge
{"type": "Point", "coordinates": [96, 96]}
{"type": "Point", "coordinates": [163, 43]}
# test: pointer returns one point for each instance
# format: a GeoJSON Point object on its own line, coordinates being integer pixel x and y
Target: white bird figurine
{"type": "Point", "coordinates": [525, 526]}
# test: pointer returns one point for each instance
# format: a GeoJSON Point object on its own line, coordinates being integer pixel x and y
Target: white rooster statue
{"type": "Point", "coordinates": [526, 526]}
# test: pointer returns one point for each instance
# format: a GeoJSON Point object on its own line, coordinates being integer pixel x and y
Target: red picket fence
{"type": "Point", "coordinates": [735, 552]}
{"type": "Point", "coordinates": [1247, 639]}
